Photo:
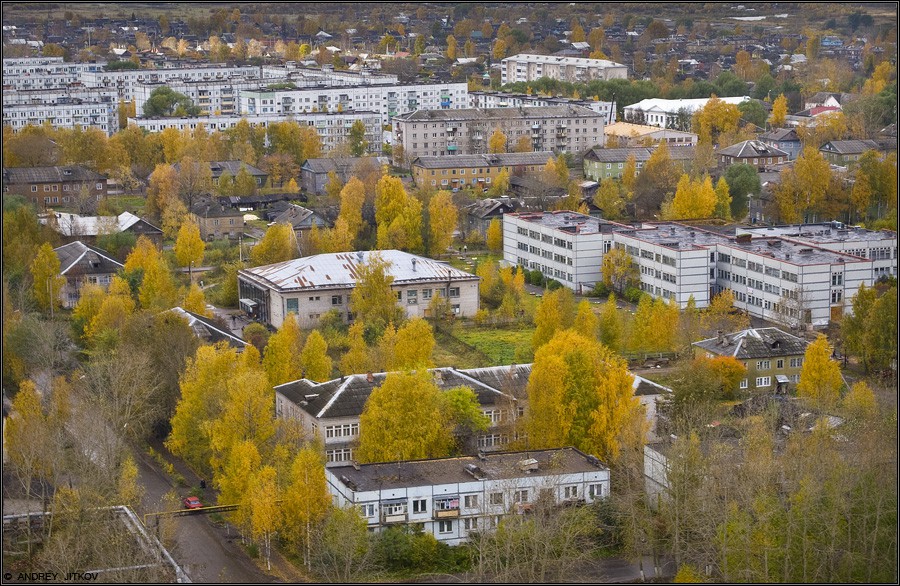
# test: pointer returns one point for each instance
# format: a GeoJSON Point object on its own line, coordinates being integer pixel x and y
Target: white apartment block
{"type": "Point", "coordinates": [313, 285]}
{"type": "Point", "coordinates": [326, 77]}
{"type": "Point", "coordinates": [124, 81]}
{"type": "Point", "coordinates": [214, 97]}
{"type": "Point", "coordinates": [387, 100]}
{"type": "Point", "coordinates": [333, 128]}
{"type": "Point", "coordinates": [38, 73]}
{"type": "Point", "coordinates": [529, 67]}
{"type": "Point", "coordinates": [65, 95]}
{"type": "Point", "coordinates": [513, 100]}
{"type": "Point", "coordinates": [102, 115]}
{"type": "Point", "coordinates": [467, 132]}
{"type": "Point", "coordinates": [794, 277]}
{"type": "Point", "coordinates": [563, 245]}
{"type": "Point", "coordinates": [670, 113]}
{"type": "Point", "coordinates": [452, 497]}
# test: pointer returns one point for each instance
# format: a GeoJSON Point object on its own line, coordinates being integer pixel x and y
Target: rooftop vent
{"type": "Point", "coordinates": [476, 472]}
{"type": "Point", "coordinates": [806, 251]}
{"type": "Point", "coordinates": [528, 465]}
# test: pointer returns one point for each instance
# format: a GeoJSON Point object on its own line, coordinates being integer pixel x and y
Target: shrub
{"type": "Point", "coordinates": [633, 294]}
{"type": "Point", "coordinates": [600, 290]}
{"type": "Point", "coordinates": [553, 285]}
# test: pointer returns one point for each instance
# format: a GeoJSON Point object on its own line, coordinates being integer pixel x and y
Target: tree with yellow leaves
{"type": "Point", "coordinates": [48, 283]}
{"type": "Point", "coordinates": [880, 78]}
{"type": "Point", "coordinates": [403, 419]}
{"type": "Point", "coordinates": [494, 236]}
{"type": "Point", "coordinates": [442, 217]}
{"type": "Point", "coordinates": [721, 315]}
{"type": "Point", "coordinates": [860, 403]}
{"type": "Point", "coordinates": [609, 199]}
{"type": "Point", "coordinates": [111, 317]}
{"type": "Point", "coordinates": [414, 346]}
{"type": "Point", "coordinates": [580, 394]}
{"type": "Point", "coordinates": [314, 359]}
{"type": "Point", "coordinates": [779, 112]}
{"type": "Point", "coordinates": [451, 47]}
{"type": "Point", "coordinates": [189, 246]}
{"type": "Point", "coordinates": [723, 200]}
{"type": "Point", "coordinates": [161, 189]}
{"type": "Point", "coordinates": [618, 270]}
{"type": "Point", "coordinates": [356, 359]}
{"type": "Point", "coordinates": [555, 312]}
{"type": "Point", "coordinates": [278, 244]}
{"type": "Point", "coordinates": [373, 301]}
{"type": "Point", "coordinates": [628, 176]}
{"type": "Point", "coordinates": [398, 216]}
{"type": "Point", "coordinates": [820, 377]}
{"type": "Point", "coordinates": [586, 321]}
{"type": "Point", "coordinates": [352, 196]}
{"type": "Point", "coordinates": [281, 359]}
{"type": "Point", "coordinates": [500, 185]}
{"type": "Point", "coordinates": [612, 328]}
{"type": "Point", "coordinates": [500, 49]}
{"type": "Point", "coordinates": [497, 141]}
{"type": "Point", "coordinates": [715, 118]}
{"type": "Point", "coordinates": [524, 144]}
{"type": "Point", "coordinates": [194, 301]}
{"type": "Point", "coordinates": [306, 500]}
{"type": "Point", "coordinates": [693, 199]}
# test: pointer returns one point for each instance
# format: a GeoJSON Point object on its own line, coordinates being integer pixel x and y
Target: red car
{"type": "Point", "coordinates": [192, 502]}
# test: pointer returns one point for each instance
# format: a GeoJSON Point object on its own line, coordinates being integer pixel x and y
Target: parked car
{"type": "Point", "coordinates": [191, 502]}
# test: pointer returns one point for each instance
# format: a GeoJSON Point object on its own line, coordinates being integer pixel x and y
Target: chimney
{"type": "Point", "coordinates": [414, 264]}
{"type": "Point", "coordinates": [370, 378]}
{"type": "Point", "coordinates": [721, 338]}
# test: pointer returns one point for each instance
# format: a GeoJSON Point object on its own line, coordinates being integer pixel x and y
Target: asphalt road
{"type": "Point", "coordinates": [202, 549]}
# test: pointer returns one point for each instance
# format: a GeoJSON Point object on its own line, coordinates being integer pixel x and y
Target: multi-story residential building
{"type": "Point", "coordinates": [879, 246]}
{"type": "Point", "coordinates": [563, 245]}
{"type": "Point", "coordinates": [641, 135]}
{"type": "Point", "coordinates": [63, 95]}
{"type": "Point", "coordinates": [453, 497]}
{"type": "Point", "coordinates": [54, 186]}
{"type": "Point", "coordinates": [845, 152]}
{"type": "Point", "coordinates": [513, 100]}
{"type": "Point", "coordinates": [603, 163]}
{"type": "Point", "coordinates": [330, 411]}
{"type": "Point", "coordinates": [475, 171]}
{"type": "Point", "coordinates": [218, 97]}
{"type": "Point", "coordinates": [314, 172]}
{"type": "Point", "coordinates": [788, 280]}
{"type": "Point", "coordinates": [671, 113]}
{"type": "Point", "coordinates": [216, 220]}
{"type": "Point", "coordinates": [125, 81]}
{"type": "Point", "coordinates": [62, 114]}
{"type": "Point", "coordinates": [388, 100]}
{"type": "Point", "coordinates": [333, 128]}
{"type": "Point", "coordinates": [467, 132]}
{"type": "Point", "coordinates": [773, 358]}
{"type": "Point", "coordinates": [313, 285]}
{"type": "Point", "coordinates": [40, 73]}
{"type": "Point", "coordinates": [785, 139]}
{"type": "Point", "coordinates": [755, 153]}
{"type": "Point", "coordinates": [83, 265]}
{"type": "Point", "coordinates": [529, 67]}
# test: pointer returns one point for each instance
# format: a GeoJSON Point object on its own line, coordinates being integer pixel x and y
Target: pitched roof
{"type": "Point", "coordinates": [849, 147]}
{"type": "Point", "coordinates": [491, 207]}
{"type": "Point", "coordinates": [207, 330]}
{"type": "Point", "coordinates": [492, 160]}
{"type": "Point", "coordinates": [298, 217]}
{"type": "Point", "coordinates": [77, 258]}
{"type": "Point", "coordinates": [781, 134]}
{"type": "Point", "coordinates": [751, 148]}
{"type": "Point", "coordinates": [755, 343]}
{"type": "Point", "coordinates": [218, 168]}
{"type": "Point", "coordinates": [618, 155]}
{"type": "Point", "coordinates": [75, 225]}
{"type": "Point", "coordinates": [326, 164]}
{"type": "Point", "coordinates": [339, 270]}
{"type": "Point", "coordinates": [16, 175]}
{"type": "Point", "coordinates": [209, 208]}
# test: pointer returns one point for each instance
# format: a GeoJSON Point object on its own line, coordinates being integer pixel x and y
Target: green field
{"type": "Point", "coordinates": [499, 345]}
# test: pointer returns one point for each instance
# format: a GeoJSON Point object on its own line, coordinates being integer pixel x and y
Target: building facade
{"type": "Point", "coordinates": [513, 100]}
{"type": "Point", "coordinates": [216, 220]}
{"type": "Point", "coordinates": [670, 113]}
{"type": "Point", "coordinates": [476, 172]}
{"type": "Point", "coordinates": [54, 186]}
{"type": "Point", "coordinates": [453, 497]}
{"type": "Point", "coordinates": [435, 133]}
{"type": "Point", "coordinates": [84, 265]}
{"type": "Point", "coordinates": [529, 67]}
{"type": "Point", "coordinates": [603, 163]}
{"type": "Point", "coordinates": [102, 115]}
{"type": "Point", "coordinates": [756, 153]}
{"type": "Point", "coordinates": [313, 285]}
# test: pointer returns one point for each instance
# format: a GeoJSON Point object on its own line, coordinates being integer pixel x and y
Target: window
{"type": "Point", "coordinates": [570, 492]}
{"type": "Point", "coordinates": [595, 490]}
{"type": "Point", "coordinates": [470, 524]}
{"type": "Point", "coordinates": [420, 506]}
{"type": "Point", "coordinates": [763, 381]}
{"type": "Point", "coordinates": [426, 294]}
{"type": "Point", "coordinates": [367, 510]}
{"type": "Point", "coordinates": [495, 415]}
{"type": "Point", "coordinates": [292, 305]}
{"type": "Point", "coordinates": [744, 384]}
{"type": "Point", "coordinates": [100, 186]}
{"type": "Point", "coordinates": [796, 362]}
{"type": "Point", "coordinates": [454, 292]}
{"type": "Point", "coordinates": [337, 299]}
{"type": "Point", "coordinates": [445, 526]}
{"type": "Point", "coordinates": [496, 498]}
{"type": "Point", "coordinates": [779, 363]}
{"type": "Point", "coordinates": [471, 501]}
{"type": "Point", "coordinates": [399, 295]}
{"type": "Point", "coordinates": [412, 297]}
{"type": "Point", "coordinates": [339, 455]}
{"type": "Point", "coordinates": [520, 496]}
{"type": "Point", "coordinates": [345, 430]}
{"type": "Point", "coordinates": [46, 188]}
{"type": "Point", "coordinates": [34, 188]}
{"type": "Point", "coordinates": [763, 365]}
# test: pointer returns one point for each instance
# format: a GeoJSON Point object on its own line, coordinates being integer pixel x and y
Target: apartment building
{"type": "Point", "coordinates": [331, 410]}
{"type": "Point", "coordinates": [212, 96]}
{"type": "Point", "coordinates": [388, 100]}
{"type": "Point", "coordinates": [125, 81]}
{"type": "Point", "coordinates": [54, 186]}
{"type": "Point", "coordinates": [773, 358]}
{"type": "Point", "coordinates": [563, 245]}
{"type": "Point", "coordinates": [313, 285]}
{"type": "Point", "coordinates": [41, 73]}
{"type": "Point", "coordinates": [333, 128]}
{"type": "Point", "coordinates": [604, 163]}
{"type": "Point", "coordinates": [453, 497]}
{"type": "Point", "coordinates": [790, 280]}
{"type": "Point", "coordinates": [62, 95]}
{"type": "Point", "coordinates": [467, 132]}
{"type": "Point", "coordinates": [75, 114]}
{"type": "Point", "coordinates": [475, 171]}
{"type": "Point", "coordinates": [755, 153]}
{"type": "Point", "coordinates": [671, 113]}
{"type": "Point", "coordinates": [529, 67]}
{"type": "Point", "coordinates": [515, 100]}
{"type": "Point", "coordinates": [216, 220]}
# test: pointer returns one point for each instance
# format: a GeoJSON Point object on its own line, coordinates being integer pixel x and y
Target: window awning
{"type": "Point", "coordinates": [780, 378]}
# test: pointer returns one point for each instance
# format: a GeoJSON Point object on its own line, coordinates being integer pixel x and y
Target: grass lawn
{"type": "Point", "coordinates": [499, 345]}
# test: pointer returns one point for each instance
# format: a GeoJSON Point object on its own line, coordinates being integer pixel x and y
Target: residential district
{"type": "Point", "coordinates": [450, 292]}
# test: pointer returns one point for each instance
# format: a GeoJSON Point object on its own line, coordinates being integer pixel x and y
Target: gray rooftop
{"type": "Point", "coordinates": [750, 149]}
{"type": "Point", "coordinates": [755, 343]}
{"type": "Point", "coordinates": [823, 233]}
{"type": "Point", "coordinates": [849, 147]}
{"type": "Point", "coordinates": [493, 466]}
{"type": "Point", "coordinates": [339, 270]}
{"type": "Point", "coordinates": [492, 160]}
{"type": "Point", "coordinates": [17, 175]}
{"type": "Point", "coordinates": [570, 222]}
{"type": "Point", "coordinates": [207, 330]}
{"type": "Point", "coordinates": [77, 258]}
{"type": "Point", "coordinates": [487, 114]}
{"type": "Point", "coordinates": [324, 165]}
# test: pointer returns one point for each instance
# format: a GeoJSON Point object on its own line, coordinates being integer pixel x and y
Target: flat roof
{"type": "Point", "coordinates": [492, 466]}
{"type": "Point", "coordinates": [825, 232]}
{"type": "Point", "coordinates": [569, 222]}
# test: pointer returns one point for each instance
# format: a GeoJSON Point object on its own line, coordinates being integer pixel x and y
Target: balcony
{"type": "Point", "coordinates": [446, 514]}
{"type": "Point", "coordinates": [446, 507]}
{"type": "Point", "coordinates": [389, 519]}
{"type": "Point", "coordinates": [452, 147]}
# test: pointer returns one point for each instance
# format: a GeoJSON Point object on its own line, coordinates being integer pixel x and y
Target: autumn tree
{"type": "Point", "coordinates": [803, 187]}
{"type": "Point", "coordinates": [657, 179]}
{"type": "Point", "coordinates": [611, 324]}
{"type": "Point", "coordinates": [414, 346]}
{"type": "Point", "coordinates": [723, 200]}
{"type": "Point", "coordinates": [693, 199]}
{"type": "Point", "coordinates": [373, 301]}
{"type": "Point", "coordinates": [352, 198]}
{"type": "Point", "coordinates": [403, 419]}
{"type": "Point", "coordinates": [442, 216]}
{"type": "Point", "coordinates": [608, 198]}
{"type": "Point", "coordinates": [314, 359]}
{"type": "Point", "coordinates": [779, 112]}
{"type": "Point", "coordinates": [189, 246]}
{"type": "Point", "coordinates": [162, 189]}
{"type": "Point", "coordinates": [618, 270]}
{"type": "Point", "coordinates": [497, 141]}
{"type": "Point", "coordinates": [555, 312]}
{"type": "Point", "coordinates": [580, 394]}
{"type": "Point", "coordinates": [721, 315]}
{"type": "Point", "coordinates": [356, 359]}
{"type": "Point", "coordinates": [276, 245]}
{"type": "Point", "coordinates": [282, 359]}
{"type": "Point", "coordinates": [586, 321]}
{"type": "Point", "coordinates": [820, 376]}
{"type": "Point", "coordinates": [305, 500]}
{"type": "Point", "coordinates": [500, 185]}
{"type": "Point", "coordinates": [48, 283]}
{"type": "Point", "coordinates": [494, 236]}
{"type": "Point", "coordinates": [398, 216]}
{"type": "Point", "coordinates": [451, 48]}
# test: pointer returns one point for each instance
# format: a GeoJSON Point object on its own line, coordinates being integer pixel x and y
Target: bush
{"type": "Point", "coordinates": [633, 294]}
{"type": "Point", "coordinates": [535, 278]}
{"type": "Point", "coordinates": [600, 290]}
{"type": "Point", "coordinates": [482, 317]}
{"type": "Point", "coordinates": [553, 285]}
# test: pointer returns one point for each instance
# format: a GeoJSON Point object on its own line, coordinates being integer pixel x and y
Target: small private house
{"type": "Point", "coordinates": [219, 168]}
{"type": "Point", "coordinates": [603, 163]}
{"type": "Point", "coordinates": [53, 186]}
{"type": "Point", "coordinates": [453, 497]}
{"type": "Point", "coordinates": [479, 214]}
{"type": "Point", "coordinates": [475, 172]}
{"type": "Point", "coordinates": [73, 227]}
{"type": "Point", "coordinates": [217, 220]}
{"type": "Point", "coordinates": [300, 218]}
{"type": "Point", "coordinates": [785, 139]}
{"type": "Point", "coordinates": [773, 357]}
{"type": "Point", "coordinates": [313, 285]}
{"type": "Point", "coordinates": [207, 330]}
{"type": "Point", "coordinates": [83, 265]}
{"type": "Point", "coordinates": [314, 172]}
{"type": "Point", "coordinates": [751, 152]}
{"type": "Point", "coordinates": [845, 152]}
